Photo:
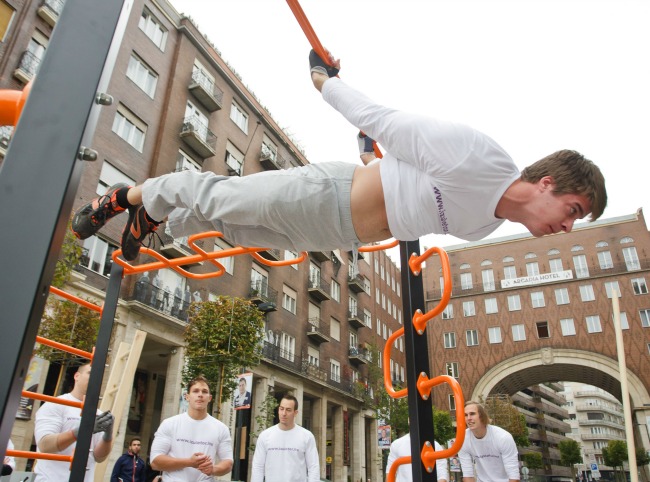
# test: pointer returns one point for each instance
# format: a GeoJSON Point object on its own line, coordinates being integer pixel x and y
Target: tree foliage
{"type": "Point", "coordinates": [222, 337]}
{"type": "Point", "coordinates": [443, 426]}
{"type": "Point", "coordinates": [69, 257]}
{"type": "Point", "coordinates": [532, 460]}
{"type": "Point", "coordinates": [505, 415]}
{"type": "Point", "coordinates": [642, 457]}
{"type": "Point", "coordinates": [570, 454]}
{"type": "Point", "coordinates": [614, 455]}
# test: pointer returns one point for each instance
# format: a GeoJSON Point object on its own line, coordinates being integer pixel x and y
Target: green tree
{"type": "Point", "coordinates": [570, 454]}
{"type": "Point", "coordinates": [614, 455]}
{"type": "Point", "coordinates": [532, 460]}
{"type": "Point", "coordinates": [443, 426]}
{"type": "Point", "coordinates": [222, 337]}
{"type": "Point", "coordinates": [642, 458]}
{"type": "Point", "coordinates": [505, 415]}
{"type": "Point", "coordinates": [69, 257]}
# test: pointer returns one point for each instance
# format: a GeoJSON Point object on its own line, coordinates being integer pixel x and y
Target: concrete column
{"type": "Point", "coordinates": [374, 457]}
{"type": "Point", "coordinates": [339, 471]}
{"type": "Point", "coordinates": [319, 429]}
{"type": "Point", "coordinates": [173, 388]}
{"type": "Point", "coordinates": [357, 446]}
{"type": "Point", "coordinates": [299, 394]}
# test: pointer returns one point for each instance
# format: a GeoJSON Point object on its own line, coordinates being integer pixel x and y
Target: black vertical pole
{"type": "Point", "coordinates": [81, 451]}
{"type": "Point", "coordinates": [417, 361]}
{"type": "Point", "coordinates": [40, 175]}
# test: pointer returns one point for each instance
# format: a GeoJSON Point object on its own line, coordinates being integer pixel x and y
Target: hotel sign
{"type": "Point", "coordinates": [537, 279]}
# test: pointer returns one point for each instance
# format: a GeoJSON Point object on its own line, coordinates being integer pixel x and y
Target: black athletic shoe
{"type": "Point", "coordinates": [136, 230]}
{"type": "Point", "coordinates": [92, 216]}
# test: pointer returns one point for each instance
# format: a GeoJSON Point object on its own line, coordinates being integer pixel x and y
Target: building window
{"type": "Point", "coordinates": [494, 334]}
{"type": "Point", "coordinates": [452, 399]}
{"type": "Point", "coordinates": [580, 265]}
{"type": "Point", "coordinates": [605, 260]}
{"type": "Point", "coordinates": [142, 75]}
{"type": "Point", "coordinates": [639, 286]}
{"type": "Point", "coordinates": [625, 324]}
{"type": "Point", "coordinates": [645, 318]}
{"type": "Point", "coordinates": [587, 293]}
{"type": "Point", "coordinates": [96, 255]}
{"type": "Point", "coordinates": [532, 268]}
{"type": "Point", "coordinates": [377, 295]}
{"type": "Point", "coordinates": [109, 176]}
{"type": "Point", "coordinates": [186, 163]}
{"type": "Point", "coordinates": [335, 371]}
{"type": "Point", "coordinates": [313, 356]}
{"type": "Point", "coordinates": [631, 259]}
{"type": "Point", "coordinates": [367, 318]}
{"type": "Point", "coordinates": [466, 281]}
{"type": "Point", "coordinates": [335, 329]}
{"type": "Point", "coordinates": [6, 17]}
{"type": "Point", "coordinates": [611, 287]}
{"type": "Point", "coordinates": [514, 303]}
{"type": "Point", "coordinates": [366, 285]}
{"type": "Point", "coordinates": [562, 296]}
{"type": "Point", "coordinates": [335, 291]}
{"type": "Point", "coordinates": [468, 308]}
{"type": "Point", "coordinates": [289, 299]}
{"type": "Point", "coordinates": [259, 281]}
{"type": "Point", "coordinates": [568, 327]}
{"type": "Point", "coordinates": [452, 369]}
{"type": "Point", "coordinates": [543, 329]}
{"type": "Point", "coordinates": [488, 280]}
{"type": "Point", "coordinates": [518, 332]}
{"type": "Point", "coordinates": [491, 306]}
{"type": "Point", "coordinates": [450, 339]}
{"type": "Point", "coordinates": [287, 346]}
{"type": "Point", "coordinates": [593, 324]}
{"type": "Point", "coordinates": [239, 117]}
{"type": "Point", "coordinates": [229, 262]}
{"type": "Point", "coordinates": [537, 299]}
{"type": "Point", "coordinates": [448, 312]}
{"type": "Point", "coordinates": [153, 29]}
{"type": "Point", "coordinates": [129, 127]}
{"type": "Point", "coordinates": [378, 326]}
{"type": "Point", "coordinates": [290, 255]}
{"type": "Point", "coordinates": [234, 159]}
{"type": "Point", "coordinates": [471, 337]}
{"type": "Point", "coordinates": [555, 265]}
{"type": "Point", "coordinates": [509, 272]}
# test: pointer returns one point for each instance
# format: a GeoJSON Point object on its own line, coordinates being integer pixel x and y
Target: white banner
{"type": "Point", "coordinates": [537, 279]}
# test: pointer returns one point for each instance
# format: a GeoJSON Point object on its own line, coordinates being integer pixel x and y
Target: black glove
{"type": "Point", "coordinates": [6, 469]}
{"type": "Point", "coordinates": [318, 65]}
{"type": "Point", "coordinates": [104, 423]}
{"type": "Point", "coordinates": [365, 144]}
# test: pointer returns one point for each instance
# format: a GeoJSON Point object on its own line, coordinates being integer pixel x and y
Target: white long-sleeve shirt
{"type": "Point", "coordinates": [495, 456]}
{"type": "Point", "coordinates": [286, 456]}
{"type": "Point", "coordinates": [402, 448]}
{"type": "Point", "coordinates": [438, 177]}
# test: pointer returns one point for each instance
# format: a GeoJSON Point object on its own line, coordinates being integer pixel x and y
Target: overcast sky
{"type": "Point", "coordinates": [536, 76]}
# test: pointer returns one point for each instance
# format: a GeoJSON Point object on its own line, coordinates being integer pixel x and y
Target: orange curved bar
{"type": "Point", "coordinates": [66, 348]}
{"type": "Point", "coordinates": [39, 455]}
{"type": "Point", "coordinates": [308, 30]}
{"type": "Point", "coordinates": [378, 247]}
{"type": "Point", "coordinates": [286, 262]}
{"type": "Point", "coordinates": [415, 264]}
{"type": "Point", "coordinates": [392, 472]}
{"type": "Point", "coordinates": [388, 383]}
{"type": "Point", "coordinates": [76, 299]}
{"type": "Point", "coordinates": [48, 398]}
{"type": "Point", "coordinates": [12, 103]}
{"type": "Point", "coordinates": [424, 386]}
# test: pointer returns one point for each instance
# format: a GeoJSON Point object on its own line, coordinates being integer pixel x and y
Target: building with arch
{"type": "Point", "coordinates": [527, 311]}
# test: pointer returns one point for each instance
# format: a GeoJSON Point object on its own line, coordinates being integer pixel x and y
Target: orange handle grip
{"type": "Point", "coordinates": [388, 382]}
{"type": "Point", "coordinates": [415, 264]}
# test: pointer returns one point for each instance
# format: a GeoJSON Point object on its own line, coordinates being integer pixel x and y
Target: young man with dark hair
{"type": "Point", "coordinates": [130, 467]}
{"type": "Point", "coordinates": [286, 452]}
{"type": "Point", "coordinates": [489, 453]}
{"type": "Point", "coordinates": [435, 177]}
{"type": "Point", "coordinates": [192, 446]}
{"type": "Point", "coordinates": [56, 428]}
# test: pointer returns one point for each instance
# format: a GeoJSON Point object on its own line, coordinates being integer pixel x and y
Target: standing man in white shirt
{"type": "Point", "coordinates": [489, 448]}
{"type": "Point", "coordinates": [56, 428]}
{"type": "Point", "coordinates": [286, 452]}
{"type": "Point", "coordinates": [402, 448]}
{"type": "Point", "coordinates": [192, 446]}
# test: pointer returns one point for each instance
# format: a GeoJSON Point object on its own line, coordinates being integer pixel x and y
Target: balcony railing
{"type": "Point", "coordinates": [356, 283]}
{"type": "Point", "coordinates": [318, 288]}
{"type": "Point", "coordinates": [164, 301]}
{"type": "Point", "coordinates": [50, 10]}
{"type": "Point", "coordinates": [317, 330]}
{"type": "Point", "coordinates": [358, 355]}
{"type": "Point", "coordinates": [197, 136]}
{"type": "Point", "coordinates": [355, 320]}
{"type": "Point", "coordinates": [205, 91]}
{"type": "Point", "coordinates": [27, 67]}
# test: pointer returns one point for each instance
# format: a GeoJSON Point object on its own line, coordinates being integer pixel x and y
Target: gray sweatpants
{"type": "Point", "coordinates": [300, 209]}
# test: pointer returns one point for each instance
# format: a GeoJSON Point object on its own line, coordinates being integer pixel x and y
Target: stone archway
{"type": "Point", "coordinates": [551, 364]}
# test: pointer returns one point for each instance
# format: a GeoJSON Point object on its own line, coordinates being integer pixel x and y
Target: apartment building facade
{"type": "Point", "coordinates": [176, 106]}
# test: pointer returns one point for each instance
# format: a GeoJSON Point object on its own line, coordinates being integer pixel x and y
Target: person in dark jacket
{"type": "Point", "coordinates": [129, 467]}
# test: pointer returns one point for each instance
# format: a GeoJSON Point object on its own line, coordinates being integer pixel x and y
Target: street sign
{"type": "Point", "coordinates": [595, 473]}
